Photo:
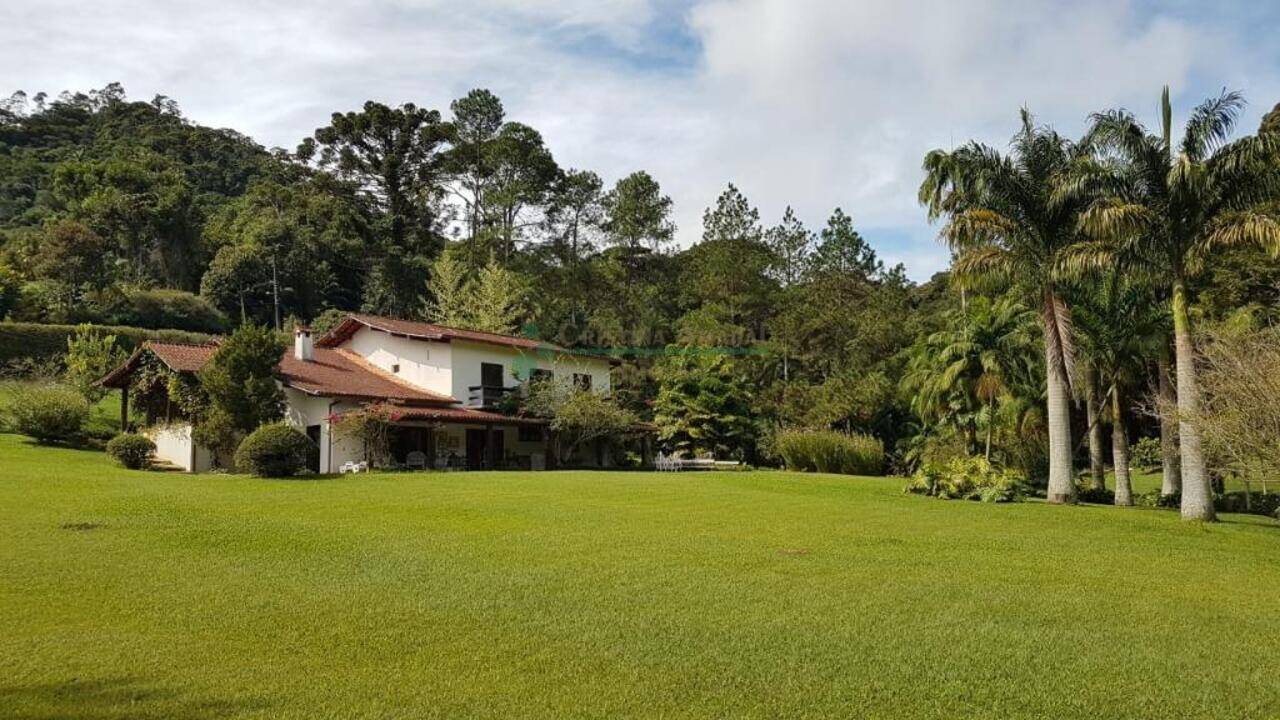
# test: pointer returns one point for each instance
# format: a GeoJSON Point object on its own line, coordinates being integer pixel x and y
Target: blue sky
{"type": "Point", "coordinates": [803, 103]}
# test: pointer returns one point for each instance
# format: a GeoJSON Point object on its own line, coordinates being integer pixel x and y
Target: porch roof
{"type": "Point", "coordinates": [465, 415]}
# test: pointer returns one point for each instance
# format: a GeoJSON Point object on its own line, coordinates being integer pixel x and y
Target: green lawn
{"type": "Point", "coordinates": [147, 595]}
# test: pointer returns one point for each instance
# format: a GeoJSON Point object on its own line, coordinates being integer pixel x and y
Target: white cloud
{"type": "Point", "coordinates": [803, 103]}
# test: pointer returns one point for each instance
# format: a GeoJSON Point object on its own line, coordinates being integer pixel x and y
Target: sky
{"type": "Point", "coordinates": [804, 103]}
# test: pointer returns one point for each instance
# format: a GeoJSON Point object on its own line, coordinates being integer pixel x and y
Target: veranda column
{"type": "Point", "coordinates": [490, 447]}
{"type": "Point", "coordinates": [548, 449]}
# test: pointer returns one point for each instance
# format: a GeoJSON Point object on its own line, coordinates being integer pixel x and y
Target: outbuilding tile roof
{"type": "Point", "coordinates": [182, 358]}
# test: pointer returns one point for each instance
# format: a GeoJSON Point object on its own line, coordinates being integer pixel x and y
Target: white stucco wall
{"type": "Point", "coordinates": [303, 410]}
{"type": "Point", "coordinates": [454, 367]}
{"type": "Point", "coordinates": [516, 365]}
{"type": "Point", "coordinates": [175, 446]}
{"type": "Point", "coordinates": [422, 362]}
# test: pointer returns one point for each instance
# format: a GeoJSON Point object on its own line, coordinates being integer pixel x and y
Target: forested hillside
{"type": "Point", "coordinates": [123, 212]}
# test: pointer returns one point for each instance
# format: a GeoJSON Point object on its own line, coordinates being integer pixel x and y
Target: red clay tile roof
{"type": "Point", "coordinates": [176, 357]}
{"type": "Point", "coordinates": [331, 373]}
{"type": "Point", "coordinates": [342, 373]}
{"type": "Point", "coordinates": [182, 358]}
{"type": "Point", "coordinates": [429, 331]}
{"type": "Point", "coordinates": [457, 414]}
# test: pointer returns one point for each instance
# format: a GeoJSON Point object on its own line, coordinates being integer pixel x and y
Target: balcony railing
{"type": "Point", "coordinates": [484, 396]}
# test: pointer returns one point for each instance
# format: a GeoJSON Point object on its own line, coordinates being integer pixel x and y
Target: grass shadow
{"type": "Point", "coordinates": [111, 698]}
{"type": "Point", "coordinates": [80, 445]}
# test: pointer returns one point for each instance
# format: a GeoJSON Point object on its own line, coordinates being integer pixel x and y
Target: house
{"type": "Point", "coordinates": [443, 385]}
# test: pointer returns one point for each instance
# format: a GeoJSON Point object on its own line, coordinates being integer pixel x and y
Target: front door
{"type": "Point", "coordinates": [475, 448]}
{"type": "Point", "coordinates": [313, 457]}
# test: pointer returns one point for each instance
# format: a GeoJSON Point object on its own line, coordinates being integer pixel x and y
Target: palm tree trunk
{"type": "Point", "coordinates": [1120, 450]}
{"type": "Point", "coordinates": [1170, 463]}
{"type": "Point", "coordinates": [1062, 487]}
{"type": "Point", "coordinates": [1197, 496]}
{"type": "Point", "coordinates": [991, 423]}
{"type": "Point", "coordinates": [1096, 470]}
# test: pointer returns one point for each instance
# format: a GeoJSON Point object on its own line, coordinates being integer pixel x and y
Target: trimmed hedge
{"type": "Point", "coordinates": [130, 450]}
{"type": "Point", "coordinates": [827, 451]}
{"type": "Point", "coordinates": [34, 343]}
{"type": "Point", "coordinates": [165, 308]}
{"type": "Point", "coordinates": [275, 450]}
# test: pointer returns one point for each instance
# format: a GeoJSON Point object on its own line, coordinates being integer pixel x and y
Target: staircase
{"type": "Point", "coordinates": [158, 465]}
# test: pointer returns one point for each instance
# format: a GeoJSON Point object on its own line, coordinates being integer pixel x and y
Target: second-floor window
{"type": "Point", "coordinates": [582, 381]}
{"type": "Point", "coordinates": [491, 375]}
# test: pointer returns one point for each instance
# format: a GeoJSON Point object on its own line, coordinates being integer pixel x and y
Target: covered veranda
{"type": "Point", "coordinates": [456, 438]}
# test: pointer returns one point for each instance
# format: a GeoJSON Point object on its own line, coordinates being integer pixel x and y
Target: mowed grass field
{"type": "Point", "coordinates": [570, 594]}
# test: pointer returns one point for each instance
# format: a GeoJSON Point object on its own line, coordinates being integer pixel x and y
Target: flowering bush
{"type": "Point", "coordinates": [371, 425]}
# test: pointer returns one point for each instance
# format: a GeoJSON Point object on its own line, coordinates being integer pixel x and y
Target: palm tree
{"type": "Point", "coordinates": [1005, 223]}
{"type": "Point", "coordinates": [960, 374]}
{"type": "Point", "coordinates": [1093, 421]}
{"type": "Point", "coordinates": [1166, 211]}
{"type": "Point", "coordinates": [1119, 327]}
{"type": "Point", "coordinates": [1166, 407]}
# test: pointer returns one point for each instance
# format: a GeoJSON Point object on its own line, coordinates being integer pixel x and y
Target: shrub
{"type": "Point", "coordinates": [9, 289]}
{"type": "Point", "coordinates": [1087, 493]}
{"type": "Point", "coordinates": [49, 413]}
{"type": "Point", "coordinates": [90, 356]}
{"type": "Point", "coordinates": [371, 425]}
{"type": "Point", "coordinates": [275, 450]}
{"type": "Point", "coordinates": [1146, 454]}
{"type": "Point", "coordinates": [828, 451]}
{"type": "Point", "coordinates": [130, 450]}
{"type": "Point", "coordinates": [1156, 500]}
{"type": "Point", "coordinates": [970, 478]}
{"type": "Point", "coordinates": [578, 416]}
{"type": "Point", "coordinates": [1253, 503]}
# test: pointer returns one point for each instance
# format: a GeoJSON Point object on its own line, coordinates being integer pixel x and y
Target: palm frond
{"type": "Point", "coordinates": [1244, 227]}
{"type": "Point", "coordinates": [1087, 256]}
{"type": "Point", "coordinates": [978, 227]}
{"type": "Point", "coordinates": [1211, 123]}
{"type": "Point", "coordinates": [1115, 220]}
{"type": "Point", "coordinates": [1252, 154]}
{"type": "Point", "coordinates": [982, 264]}
{"type": "Point", "coordinates": [1058, 335]}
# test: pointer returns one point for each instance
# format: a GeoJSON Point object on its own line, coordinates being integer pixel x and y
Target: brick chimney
{"type": "Point", "coordinates": [303, 347]}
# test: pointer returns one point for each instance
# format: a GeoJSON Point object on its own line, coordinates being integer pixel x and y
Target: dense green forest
{"type": "Point", "coordinates": [123, 212]}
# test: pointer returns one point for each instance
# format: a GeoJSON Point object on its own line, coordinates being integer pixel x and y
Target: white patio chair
{"type": "Point", "coordinates": [416, 460]}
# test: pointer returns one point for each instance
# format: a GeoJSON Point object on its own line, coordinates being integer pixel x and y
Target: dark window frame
{"type": "Point", "coordinates": [486, 370]}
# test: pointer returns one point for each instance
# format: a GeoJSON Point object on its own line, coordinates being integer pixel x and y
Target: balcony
{"type": "Point", "coordinates": [486, 396]}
